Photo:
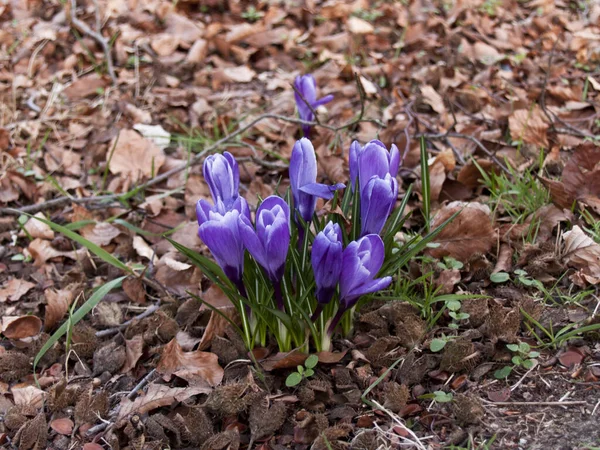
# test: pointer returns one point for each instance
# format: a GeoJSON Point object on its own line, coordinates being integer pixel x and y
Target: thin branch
{"type": "Point", "coordinates": [569, 403]}
{"type": "Point", "coordinates": [60, 201]}
{"type": "Point", "coordinates": [124, 325]}
{"type": "Point", "coordinates": [97, 36]}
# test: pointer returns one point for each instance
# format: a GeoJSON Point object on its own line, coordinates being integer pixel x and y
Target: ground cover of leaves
{"type": "Point", "coordinates": [105, 99]}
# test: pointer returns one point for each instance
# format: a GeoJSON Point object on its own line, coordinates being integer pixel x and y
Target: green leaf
{"type": "Point", "coordinates": [533, 354]}
{"type": "Point", "coordinates": [442, 397]}
{"type": "Point", "coordinates": [453, 305]}
{"type": "Point", "coordinates": [309, 373]}
{"type": "Point", "coordinates": [437, 345]}
{"type": "Point", "coordinates": [293, 379]}
{"type": "Point", "coordinates": [95, 249]}
{"type": "Point", "coordinates": [513, 347]}
{"type": "Point", "coordinates": [524, 347]}
{"type": "Point", "coordinates": [499, 277]}
{"type": "Point", "coordinates": [75, 318]}
{"type": "Point", "coordinates": [503, 373]}
{"type": "Point", "coordinates": [528, 363]}
{"type": "Point", "coordinates": [300, 369]}
{"type": "Point", "coordinates": [516, 360]}
{"type": "Point", "coordinates": [311, 362]}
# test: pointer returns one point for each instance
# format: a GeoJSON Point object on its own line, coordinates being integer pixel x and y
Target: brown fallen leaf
{"type": "Point", "coordinates": [529, 125]}
{"type": "Point", "coordinates": [101, 233]}
{"type": "Point", "coordinates": [217, 323]}
{"type": "Point", "coordinates": [37, 229]}
{"type": "Point", "coordinates": [447, 279]}
{"type": "Point", "coordinates": [57, 305]}
{"type": "Point", "coordinates": [571, 357]}
{"type": "Point", "coordinates": [582, 253]}
{"type": "Point", "coordinates": [134, 348]}
{"type": "Point", "coordinates": [42, 250]}
{"type": "Point", "coordinates": [134, 288]}
{"type": "Point", "coordinates": [156, 396]}
{"type": "Point", "coordinates": [14, 290]}
{"type": "Point", "coordinates": [433, 99]}
{"type": "Point", "coordinates": [287, 360]}
{"type": "Point", "coordinates": [504, 262]}
{"type": "Point", "coordinates": [197, 368]}
{"type": "Point", "coordinates": [88, 86]}
{"type": "Point", "coordinates": [134, 156]}
{"type": "Point", "coordinates": [62, 426]}
{"type": "Point", "coordinates": [21, 327]}
{"type": "Point", "coordinates": [28, 396]}
{"type": "Point", "coordinates": [469, 233]}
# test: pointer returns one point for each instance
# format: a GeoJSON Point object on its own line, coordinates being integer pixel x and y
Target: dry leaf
{"type": "Point", "coordinates": [134, 349]}
{"type": "Point", "coordinates": [581, 252]}
{"type": "Point", "coordinates": [134, 156]}
{"type": "Point", "coordinates": [143, 249]}
{"type": "Point", "coordinates": [164, 44]}
{"type": "Point", "coordinates": [100, 234]}
{"type": "Point", "coordinates": [134, 288]}
{"type": "Point", "coordinates": [14, 290]}
{"type": "Point", "coordinates": [42, 251]}
{"type": "Point", "coordinates": [217, 323]}
{"type": "Point", "coordinates": [156, 396]}
{"type": "Point", "coordinates": [469, 233]}
{"type": "Point", "coordinates": [155, 133]}
{"type": "Point", "coordinates": [486, 54]}
{"type": "Point", "coordinates": [433, 99]}
{"type": "Point", "coordinates": [57, 305]}
{"type": "Point", "coordinates": [21, 327]}
{"type": "Point", "coordinates": [242, 74]}
{"type": "Point", "coordinates": [88, 86]}
{"type": "Point", "coordinates": [447, 279]}
{"type": "Point", "coordinates": [359, 26]}
{"type": "Point", "coordinates": [28, 396]}
{"type": "Point", "coordinates": [62, 426]}
{"type": "Point", "coordinates": [38, 229]}
{"type": "Point", "coordinates": [531, 126]}
{"type": "Point", "coordinates": [195, 367]}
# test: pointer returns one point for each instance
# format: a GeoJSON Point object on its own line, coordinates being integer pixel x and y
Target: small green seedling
{"type": "Point", "coordinates": [523, 357]}
{"type": "Point", "coordinates": [438, 396]}
{"type": "Point", "coordinates": [438, 344]}
{"type": "Point", "coordinates": [522, 278]}
{"type": "Point", "coordinates": [295, 378]}
{"type": "Point", "coordinates": [450, 264]}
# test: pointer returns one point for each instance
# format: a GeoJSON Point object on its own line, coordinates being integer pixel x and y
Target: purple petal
{"type": "Point", "coordinates": [321, 190]}
{"type": "Point", "coordinates": [203, 209]}
{"type": "Point", "coordinates": [377, 200]}
{"type": "Point", "coordinates": [252, 242]}
{"type": "Point", "coordinates": [355, 150]}
{"type": "Point", "coordinates": [375, 249]}
{"type": "Point", "coordinates": [322, 101]}
{"type": "Point", "coordinates": [394, 160]}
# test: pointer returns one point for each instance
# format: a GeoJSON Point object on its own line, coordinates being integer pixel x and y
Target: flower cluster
{"type": "Point", "coordinates": [275, 288]}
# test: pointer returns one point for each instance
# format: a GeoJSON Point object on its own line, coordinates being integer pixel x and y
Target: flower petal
{"type": "Point", "coordinates": [252, 242]}
{"type": "Point", "coordinates": [321, 190]}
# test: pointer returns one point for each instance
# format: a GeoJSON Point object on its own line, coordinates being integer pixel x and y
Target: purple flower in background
{"type": "Point", "coordinates": [220, 232]}
{"type": "Point", "coordinates": [361, 261]}
{"type": "Point", "coordinates": [303, 177]}
{"type": "Point", "coordinates": [307, 87]}
{"type": "Point", "coordinates": [268, 244]}
{"type": "Point", "coordinates": [222, 174]}
{"type": "Point", "coordinates": [326, 261]}
{"type": "Point", "coordinates": [372, 159]}
{"type": "Point", "coordinates": [376, 202]}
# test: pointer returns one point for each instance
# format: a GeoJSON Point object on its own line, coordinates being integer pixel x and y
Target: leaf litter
{"type": "Point", "coordinates": [87, 130]}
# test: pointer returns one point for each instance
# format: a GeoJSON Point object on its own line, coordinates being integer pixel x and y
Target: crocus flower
{"type": "Point", "coordinates": [361, 261]}
{"type": "Point", "coordinates": [326, 261]}
{"type": "Point", "coordinates": [307, 87]}
{"type": "Point", "coordinates": [221, 234]}
{"type": "Point", "coordinates": [268, 244]}
{"type": "Point", "coordinates": [222, 174]}
{"type": "Point", "coordinates": [376, 202]}
{"type": "Point", "coordinates": [372, 159]}
{"type": "Point", "coordinates": [303, 177]}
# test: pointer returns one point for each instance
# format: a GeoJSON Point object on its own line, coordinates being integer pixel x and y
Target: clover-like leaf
{"type": "Point", "coordinates": [293, 379]}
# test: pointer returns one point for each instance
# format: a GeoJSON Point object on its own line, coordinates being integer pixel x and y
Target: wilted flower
{"type": "Point", "coordinates": [372, 159]}
{"type": "Point", "coordinates": [220, 232]}
{"type": "Point", "coordinates": [376, 202]}
{"type": "Point", "coordinates": [306, 87]}
{"type": "Point", "coordinates": [303, 177]}
{"type": "Point", "coordinates": [361, 261]}
{"type": "Point", "coordinates": [222, 174]}
{"type": "Point", "coordinates": [268, 244]}
{"type": "Point", "coordinates": [326, 261]}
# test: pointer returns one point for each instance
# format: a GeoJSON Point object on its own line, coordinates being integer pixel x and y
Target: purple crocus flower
{"type": "Point", "coordinates": [372, 159]}
{"type": "Point", "coordinates": [268, 244]}
{"type": "Point", "coordinates": [222, 174]}
{"type": "Point", "coordinates": [361, 261]}
{"type": "Point", "coordinates": [307, 86]}
{"type": "Point", "coordinates": [303, 177]}
{"type": "Point", "coordinates": [326, 261]}
{"type": "Point", "coordinates": [220, 232]}
{"type": "Point", "coordinates": [376, 202]}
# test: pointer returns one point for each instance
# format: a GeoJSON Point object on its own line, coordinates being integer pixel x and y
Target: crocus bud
{"type": "Point", "coordinates": [307, 87]}
{"type": "Point", "coordinates": [222, 174]}
{"type": "Point", "coordinates": [326, 261]}
{"type": "Point", "coordinates": [376, 202]}
{"type": "Point", "coordinates": [374, 159]}
{"type": "Point", "coordinates": [303, 177]}
{"type": "Point", "coordinates": [268, 243]}
{"type": "Point", "coordinates": [361, 261]}
{"type": "Point", "coordinates": [355, 150]}
{"type": "Point", "coordinates": [220, 232]}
